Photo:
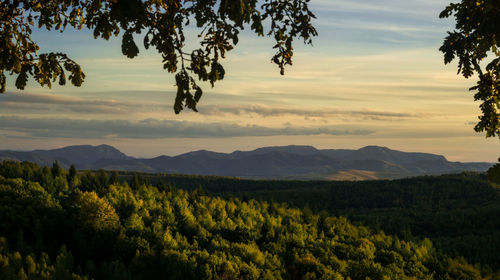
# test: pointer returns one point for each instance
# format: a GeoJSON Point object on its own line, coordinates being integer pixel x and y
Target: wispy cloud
{"type": "Point", "coordinates": [409, 30]}
{"type": "Point", "coordinates": [33, 103]}
{"type": "Point", "coordinates": [153, 129]}
{"type": "Point", "coordinates": [418, 9]}
{"type": "Point", "coordinates": [267, 111]}
{"type": "Point", "coordinates": [44, 103]}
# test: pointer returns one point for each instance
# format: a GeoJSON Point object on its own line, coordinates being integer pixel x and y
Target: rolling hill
{"type": "Point", "coordinates": [285, 162]}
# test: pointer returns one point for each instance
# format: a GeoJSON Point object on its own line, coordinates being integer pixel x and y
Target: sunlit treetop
{"type": "Point", "coordinates": [475, 43]}
{"type": "Point", "coordinates": [161, 23]}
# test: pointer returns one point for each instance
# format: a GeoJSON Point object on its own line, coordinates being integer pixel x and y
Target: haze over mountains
{"type": "Point", "coordinates": [286, 162]}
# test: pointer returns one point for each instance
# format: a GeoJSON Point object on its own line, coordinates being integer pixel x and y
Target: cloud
{"type": "Point", "coordinates": [27, 103]}
{"type": "Point", "coordinates": [30, 103]}
{"type": "Point", "coordinates": [154, 129]}
{"type": "Point", "coordinates": [267, 111]}
{"type": "Point", "coordinates": [409, 30]}
{"type": "Point", "coordinates": [380, 25]}
{"type": "Point", "coordinates": [415, 9]}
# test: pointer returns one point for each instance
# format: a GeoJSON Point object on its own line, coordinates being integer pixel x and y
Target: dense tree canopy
{"type": "Point", "coordinates": [51, 228]}
{"type": "Point", "coordinates": [162, 23]}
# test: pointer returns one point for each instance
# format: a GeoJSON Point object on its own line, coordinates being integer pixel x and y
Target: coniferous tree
{"type": "Point", "coordinates": [56, 169]}
{"type": "Point", "coordinates": [71, 173]}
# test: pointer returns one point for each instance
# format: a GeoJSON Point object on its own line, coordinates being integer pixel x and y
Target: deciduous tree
{"type": "Point", "coordinates": [163, 25]}
{"type": "Point", "coordinates": [475, 44]}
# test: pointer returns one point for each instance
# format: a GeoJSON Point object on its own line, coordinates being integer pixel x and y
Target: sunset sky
{"type": "Point", "coordinates": [374, 76]}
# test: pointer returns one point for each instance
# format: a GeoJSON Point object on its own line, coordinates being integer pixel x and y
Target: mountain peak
{"type": "Point", "coordinates": [105, 146]}
{"type": "Point", "coordinates": [297, 161]}
{"type": "Point", "coordinates": [85, 155]}
{"type": "Point", "coordinates": [374, 148]}
{"type": "Point", "coordinates": [104, 149]}
{"type": "Point", "coordinates": [294, 149]}
{"type": "Point", "coordinates": [110, 150]}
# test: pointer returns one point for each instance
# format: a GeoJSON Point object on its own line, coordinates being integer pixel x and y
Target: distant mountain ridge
{"type": "Point", "coordinates": [282, 162]}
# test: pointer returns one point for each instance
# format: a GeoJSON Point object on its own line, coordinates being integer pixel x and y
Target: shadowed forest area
{"type": "Point", "coordinates": [62, 224]}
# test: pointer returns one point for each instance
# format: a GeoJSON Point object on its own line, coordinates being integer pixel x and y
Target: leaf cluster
{"type": "Point", "coordinates": [475, 38]}
{"type": "Point", "coordinates": [18, 52]}
{"type": "Point", "coordinates": [161, 22]}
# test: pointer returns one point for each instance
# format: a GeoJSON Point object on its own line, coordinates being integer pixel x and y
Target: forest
{"type": "Point", "coordinates": [70, 224]}
{"type": "Point", "coordinates": [459, 212]}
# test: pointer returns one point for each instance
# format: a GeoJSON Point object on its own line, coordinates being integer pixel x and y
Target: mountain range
{"type": "Point", "coordinates": [285, 162]}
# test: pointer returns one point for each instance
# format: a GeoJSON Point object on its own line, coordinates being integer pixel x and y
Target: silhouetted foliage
{"type": "Point", "coordinates": [162, 23]}
{"type": "Point", "coordinates": [476, 36]}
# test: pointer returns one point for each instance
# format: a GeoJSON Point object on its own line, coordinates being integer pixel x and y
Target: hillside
{"type": "Point", "coordinates": [458, 213]}
{"type": "Point", "coordinates": [287, 162]}
{"type": "Point", "coordinates": [56, 224]}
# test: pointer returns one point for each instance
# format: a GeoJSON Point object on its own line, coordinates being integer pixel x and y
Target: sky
{"type": "Point", "coordinates": [374, 76]}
